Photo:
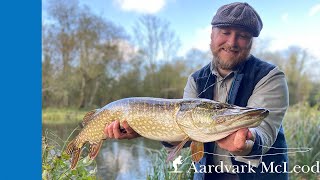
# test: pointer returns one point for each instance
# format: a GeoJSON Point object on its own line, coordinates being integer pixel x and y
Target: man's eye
{"type": "Point", "coordinates": [244, 36]}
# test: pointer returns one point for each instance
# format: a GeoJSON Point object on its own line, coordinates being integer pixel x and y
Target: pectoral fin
{"type": "Point", "coordinates": [94, 149]}
{"type": "Point", "coordinates": [197, 151]}
{"type": "Point", "coordinates": [177, 149]}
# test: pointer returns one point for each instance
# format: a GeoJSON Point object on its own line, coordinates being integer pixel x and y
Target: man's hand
{"type": "Point", "coordinates": [237, 143]}
{"type": "Point", "coordinates": [113, 131]}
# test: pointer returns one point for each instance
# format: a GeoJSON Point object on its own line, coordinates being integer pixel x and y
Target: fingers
{"type": "Point", "coordinates": [235, 142]}
{"type": "Point", "coordinates": [250, 136]}
{"type": "Point", "coordinates": [116, 129]}
{"type": "Point", "coordinates": [240, 139]}
{"type": "Point", "coordinates": [126, 126]}
{"type": "Point", "coordinates": [113, 131]}
{"type": "Point", "coordinates": [110, 130]}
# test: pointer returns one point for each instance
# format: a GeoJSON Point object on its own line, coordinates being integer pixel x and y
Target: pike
{"type": "Point", "coordinates": [170, 120]}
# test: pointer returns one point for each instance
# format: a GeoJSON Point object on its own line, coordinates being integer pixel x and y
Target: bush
{"type": "Point", "coordinates": [56, 163]}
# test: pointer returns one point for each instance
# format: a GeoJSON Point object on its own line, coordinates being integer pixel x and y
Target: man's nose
{"type": "Point", "coordinates": [232, 41]}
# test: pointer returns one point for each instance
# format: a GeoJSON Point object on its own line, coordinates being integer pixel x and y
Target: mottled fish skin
{"type": "Point", "coordinates": [169, 120]}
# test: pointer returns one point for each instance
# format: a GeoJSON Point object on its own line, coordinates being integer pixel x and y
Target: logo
{"type": "Point", "coordinates": [175, 163]}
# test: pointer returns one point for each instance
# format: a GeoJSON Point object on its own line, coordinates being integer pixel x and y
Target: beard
{"type": "Point", "coordinates": [230, 63]}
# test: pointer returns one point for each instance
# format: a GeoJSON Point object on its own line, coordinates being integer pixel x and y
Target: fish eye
{"type": "Point", "coordinates": [217, 106]}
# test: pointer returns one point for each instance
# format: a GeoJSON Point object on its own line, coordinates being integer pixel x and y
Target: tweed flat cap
{"type": "Point", "coordinates": [240, 15]}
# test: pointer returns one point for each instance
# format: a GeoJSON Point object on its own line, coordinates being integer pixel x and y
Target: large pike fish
{"type": "Point", "coordinates": [171, 120]}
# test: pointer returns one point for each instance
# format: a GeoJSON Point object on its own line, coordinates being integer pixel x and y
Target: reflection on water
{"type": "Point", "coordinates": [123, 159]}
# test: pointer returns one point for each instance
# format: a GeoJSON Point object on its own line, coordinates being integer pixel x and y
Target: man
{"type": "Point", "coordinates": [237, 77]}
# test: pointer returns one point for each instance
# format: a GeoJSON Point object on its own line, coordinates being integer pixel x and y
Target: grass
{"type": "Point", "coordinates": [302, 130]}
{"type": "Point", "coordinates": [163, 171]}
{"type": "Point", "coordinates": [62, 115]}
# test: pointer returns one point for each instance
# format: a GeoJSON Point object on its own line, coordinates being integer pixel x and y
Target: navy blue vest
{"type": "Point", "coordinates": [241, 89]}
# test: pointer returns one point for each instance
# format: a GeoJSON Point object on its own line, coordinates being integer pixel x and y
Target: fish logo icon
{"type": "Point", "coordinates": [175, 163]}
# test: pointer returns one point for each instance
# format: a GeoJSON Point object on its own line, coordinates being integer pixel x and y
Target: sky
{"type": "Point", "coordinates": [285, 22]}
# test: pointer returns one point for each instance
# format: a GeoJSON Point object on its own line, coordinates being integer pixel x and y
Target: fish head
{"type": "Point", "coordinates": [212, 120]}
{"type": "Point", "coordinates": [238, 117]}
{"type": "Point", "coordinates": [222, 117]}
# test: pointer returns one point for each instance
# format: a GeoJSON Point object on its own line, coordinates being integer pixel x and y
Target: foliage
{"type": "Point", "coordinates": [88, 61]}
{"type": "Point", "coordinates": [314, 98]}
{"type": "Point", "coordinates": [167, 82]}
{"type": "Point", "coordinates": [155, 40]}
{"type": "Point", "coordinates": [56, 163]}
{"type": "Point", "coordinates": [302, 129]}
{"type": "Point", "coordinates": [295, 63]}
{"type": "Point", "coordinates": [163, 170]}
{"type": "Point", "coordinates": [80, 55]}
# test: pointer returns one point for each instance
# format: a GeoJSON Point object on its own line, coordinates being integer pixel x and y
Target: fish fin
{"type": "Point", "coordinates": [94, 149]}
{"type": "Point", "coordinates": [197, 151]}
{"type": "Point", "coordinates": [71, 147]}
{"type": "Point", "coordinates": [75, 158]}
{"type": "Point", "coordinates": [88, 117]}
{"type": "Point", "coordinates": [177, 149]}
{"type": "Point", "coordinates": [74, 150]}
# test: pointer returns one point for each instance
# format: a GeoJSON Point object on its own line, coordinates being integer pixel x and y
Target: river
{"type": "Point", "coordinates": [117, 159]}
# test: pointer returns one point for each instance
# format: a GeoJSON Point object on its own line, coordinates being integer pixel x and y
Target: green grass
{"type": "Point", "coordinates": [302, 130]}
{"type": "Point", "coordinates": [62, 115]}
{"type": "Point", "coordinates": [163, 170]}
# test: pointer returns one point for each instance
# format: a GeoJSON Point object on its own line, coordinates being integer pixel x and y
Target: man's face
{"type": "Point", "coordinates": [230, 46]}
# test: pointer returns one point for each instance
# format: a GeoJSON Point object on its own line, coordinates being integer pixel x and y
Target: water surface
{"type": "Point", "coordinates": [117, 159]}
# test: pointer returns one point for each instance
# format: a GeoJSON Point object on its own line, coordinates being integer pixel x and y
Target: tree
{"type": "Point", "coordinates": [196, 58]}
{"type": "Point", "coordinates": [84, 48]}
{"type": "Point", "coordinates": [293, 62]}
{"type": "Point", "coordinates": [98, 51]}
{"type": "Point", "coordinates": [156, 43]}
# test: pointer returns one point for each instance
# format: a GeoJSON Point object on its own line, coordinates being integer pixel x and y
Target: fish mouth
{"type": "Point", "coordinates": [247, 111]}
{"type": "Point", "coordinates": [254, 117]}
{"type": "Point", "coordinates": [246, 116]}
{"type": "Point", "coordinates": [257, 112]}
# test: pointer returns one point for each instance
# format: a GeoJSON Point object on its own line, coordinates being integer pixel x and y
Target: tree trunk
{"type": "Point", "coordinates": [94, 92]}
{"type": "Point", "coordinates": [82, 93]}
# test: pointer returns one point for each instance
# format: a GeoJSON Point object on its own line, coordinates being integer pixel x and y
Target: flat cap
{"type": "Point", "coordinates": [239, 15]}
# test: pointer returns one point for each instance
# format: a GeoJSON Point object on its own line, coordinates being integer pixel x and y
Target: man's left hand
{"type": "Point", "coordinates": [238, 142]}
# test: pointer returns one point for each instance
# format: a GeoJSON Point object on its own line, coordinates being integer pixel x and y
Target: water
{"type": "Point", "coordinates": [117, 159]}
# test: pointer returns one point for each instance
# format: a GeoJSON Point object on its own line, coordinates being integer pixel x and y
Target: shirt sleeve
{"type": "Point", "coordinates": [271, 92]}
{"type": "Point", "coordinates": [190, 90]}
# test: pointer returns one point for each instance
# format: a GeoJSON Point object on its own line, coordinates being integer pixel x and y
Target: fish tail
{"type": "Point", "coordinates": [71, 147]}
{"type": "Point", "coordinates": [74, 150]}
{"type": "Point", "coordinates": [75, 158]}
